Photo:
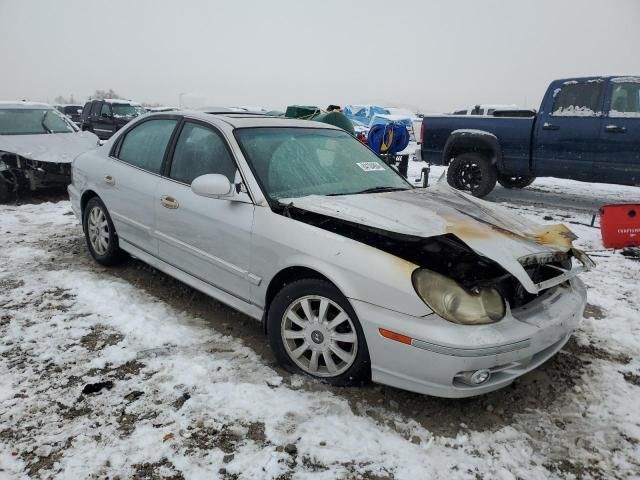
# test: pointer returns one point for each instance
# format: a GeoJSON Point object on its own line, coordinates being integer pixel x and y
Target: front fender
{"type": "Point", "coordinates": [359, 271]}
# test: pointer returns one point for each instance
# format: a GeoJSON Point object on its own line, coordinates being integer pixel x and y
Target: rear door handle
{"type": "Point", "coordinates": [109, 180]}
{"type": "Point", "coordinates": [550, 126]}
{"type": "Point", "coordinates": [614, 129]}
{"type": "Point", "coordinates": [169, 202]}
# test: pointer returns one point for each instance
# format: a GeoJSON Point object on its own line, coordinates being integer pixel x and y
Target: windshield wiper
{"type": "Point", "coordinates": [378, 189]}
{"type": "Point", "coordinates": [42, 122]}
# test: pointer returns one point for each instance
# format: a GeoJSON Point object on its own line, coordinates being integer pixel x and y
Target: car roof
{"type": "Point", "coordinates": [24, 105]}
{"type": "Point", "coordinates": [247, 120]}
{"type": "Point", "coordinates": [595, 77]}
{"type": "Point", "coordinates": [116, 100]}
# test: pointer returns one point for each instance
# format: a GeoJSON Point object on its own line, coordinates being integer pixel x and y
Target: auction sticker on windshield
{"type": "Point", "coordinates": [370, 166]}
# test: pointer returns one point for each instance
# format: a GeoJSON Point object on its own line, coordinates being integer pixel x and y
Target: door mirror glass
{"type": "Point", "coordinates": [213, 185]}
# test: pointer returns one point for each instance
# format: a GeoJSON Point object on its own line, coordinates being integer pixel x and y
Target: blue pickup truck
{"type": "Point", "coordinates": [587, 129]}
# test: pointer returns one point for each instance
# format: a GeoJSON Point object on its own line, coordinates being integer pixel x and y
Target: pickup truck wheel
{"type": "Point", "coordinates": [5, 195]}
{"type": "Point", "coordinates": [472, 172]}
{"type": "Point", "coordinates": [515, 182]}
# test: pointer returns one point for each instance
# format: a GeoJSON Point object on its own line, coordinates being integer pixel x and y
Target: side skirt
{"type": "Point", "coordinates": [251, 310]}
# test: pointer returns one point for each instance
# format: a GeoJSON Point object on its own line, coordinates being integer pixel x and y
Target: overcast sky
{"type": "Point", "coordinates": [430, 55]}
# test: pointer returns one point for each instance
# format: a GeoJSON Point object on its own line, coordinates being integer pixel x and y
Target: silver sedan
{"type": "Point", "coordinates": [355, 274]}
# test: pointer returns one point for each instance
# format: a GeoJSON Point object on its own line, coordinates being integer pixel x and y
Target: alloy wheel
{"type": "Point", "coordinates": [98, 228]}
{"type": "Point", "coordinates": [319, 336]}
{"type": "Point", "coordinates": [469, 176]}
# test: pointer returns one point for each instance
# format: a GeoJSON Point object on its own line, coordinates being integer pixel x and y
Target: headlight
{"type": "Point", "coordinates": [454, 303]}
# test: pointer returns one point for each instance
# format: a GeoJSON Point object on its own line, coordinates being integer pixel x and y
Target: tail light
{"type": "Point", "coordinates": [422, 132]}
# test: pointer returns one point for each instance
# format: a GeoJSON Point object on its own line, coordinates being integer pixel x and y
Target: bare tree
{"type": "Point", "coordinates": [101, 94]}
{"type": "Point", "coordinates": [60, 100]}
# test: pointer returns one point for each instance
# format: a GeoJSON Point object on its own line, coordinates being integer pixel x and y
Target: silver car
{"type": "Point", "coordinates": [355, 274]}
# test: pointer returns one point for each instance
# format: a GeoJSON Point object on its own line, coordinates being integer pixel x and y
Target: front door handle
{"type": "Point", "coordinates": [109, 180]}
{"type": "Point", "coordinates": [168, 202]}
{"type": "Point", "coordinates": [614, 129]}
{"type": "Point", "coordinates": [550, 126]}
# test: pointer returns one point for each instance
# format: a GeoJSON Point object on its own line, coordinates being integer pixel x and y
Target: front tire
{"type": "Point", "coordinates": [5, 190]}
{"type": "Point", "coordinates": [314, 330]}
{"type": "Point", "coordinates": [515, 182]}
{"type": "Point", "coordinates": [473, 173]}
{"type": "Point", "coordinates": [100, 234]}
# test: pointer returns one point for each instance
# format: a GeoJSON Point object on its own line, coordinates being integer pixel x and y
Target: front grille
{"type": "Point", "coordinates": [513, 291]}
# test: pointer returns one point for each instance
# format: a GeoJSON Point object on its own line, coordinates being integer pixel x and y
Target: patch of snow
{"type": "Point", "coordinates": [48, 311]}
{"type": "Point", "coordinates": [575, 111]}
{"type": "Point", "coordinates": [625, 80]}
{"type": "Point", "coordinates": [617, 114]}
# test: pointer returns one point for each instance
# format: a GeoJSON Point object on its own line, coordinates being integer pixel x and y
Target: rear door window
{"type": "Point", "coordinates": [144, 146]}
{"type": "Point", "coordinates": [106, 109]}
{"type": "Point", "coordinates": [199, 151]}
{"type": "Point", "coordinates": [625, 100]}
{"type": "Point", "coordinates": [578, 100]}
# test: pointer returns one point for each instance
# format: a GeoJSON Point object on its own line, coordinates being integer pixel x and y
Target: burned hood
{"type": "Point", "coordinates": [490, 230]}
{"type": "Point", "coordinates": [49, 147]}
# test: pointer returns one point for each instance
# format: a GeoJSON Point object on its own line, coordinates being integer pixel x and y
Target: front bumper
{"type": "Point", "coordinates": [74, 197]}
{"type": "Point", "coordinates": [440, 350]}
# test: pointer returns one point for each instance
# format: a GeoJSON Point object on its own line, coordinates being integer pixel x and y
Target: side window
{"type": "Point", "coordinates": [200, 150]}
{"type": "Point", "coordinates": [95, 108]}
{"type": "Point", "coordinates": [106, 109]}
{"type": "Point", "coordinates": [625, 100]}
{"type": "Point", "coordinates": [577, 100]}
{"type": "Point", "coordinates": [144, 145]}
{"type": "Point", "coordinates": [86, 110]}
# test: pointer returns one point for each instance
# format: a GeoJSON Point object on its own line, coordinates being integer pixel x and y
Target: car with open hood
{"type": "Point", "coordinates": [354, 273]}
{"type": "Point", "coordinates": [37, 145]}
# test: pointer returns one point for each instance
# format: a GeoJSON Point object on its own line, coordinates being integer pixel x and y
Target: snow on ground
{"type": "Point", "coordinates": [100, 378]}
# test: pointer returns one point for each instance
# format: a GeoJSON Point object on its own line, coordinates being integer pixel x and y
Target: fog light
{"type": "Point", "coordinates": [480, 376]}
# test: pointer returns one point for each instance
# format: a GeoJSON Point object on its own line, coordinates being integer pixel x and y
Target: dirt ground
{"type": "Point", "coordinates": [544, 389]}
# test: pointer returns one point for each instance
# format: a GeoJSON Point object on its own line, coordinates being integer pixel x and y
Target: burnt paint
{"type": "Point", "coordinates": [445, 254]}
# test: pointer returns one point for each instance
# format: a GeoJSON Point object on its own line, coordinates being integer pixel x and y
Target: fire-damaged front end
{"type": "Point", "coordinates": [31, 162]}
{"type": "Point", "coordinates": [502, 293]}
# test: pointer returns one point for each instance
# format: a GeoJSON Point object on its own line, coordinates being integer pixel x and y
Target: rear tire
{"type": "Point", "coordinates": [514, 181]}
{"type": "Point", "coordinates": [473, 173]}
{"type": "Point", "coordinates": [100, 234]}
{"type": "Point", "coordinates": [5, 190]}
{"type": "Point", "coordinates": [324, 340]}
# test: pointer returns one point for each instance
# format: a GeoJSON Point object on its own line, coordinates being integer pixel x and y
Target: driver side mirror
{"type": "Point", "coordinates": [212, 185]}
{"type": "Point", "coordinates": [105, 115]}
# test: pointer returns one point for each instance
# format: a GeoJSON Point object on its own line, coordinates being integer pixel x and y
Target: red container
{"type": "Point", "coordinates": [620, 225]}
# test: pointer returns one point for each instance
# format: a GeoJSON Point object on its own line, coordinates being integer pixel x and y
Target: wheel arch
{"type": "Point", "coordinates": [472, 141]}
{"type": "Point", "coordinates": [84, 199]}
{"type": "Point", "coordinates": [285, 276]}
